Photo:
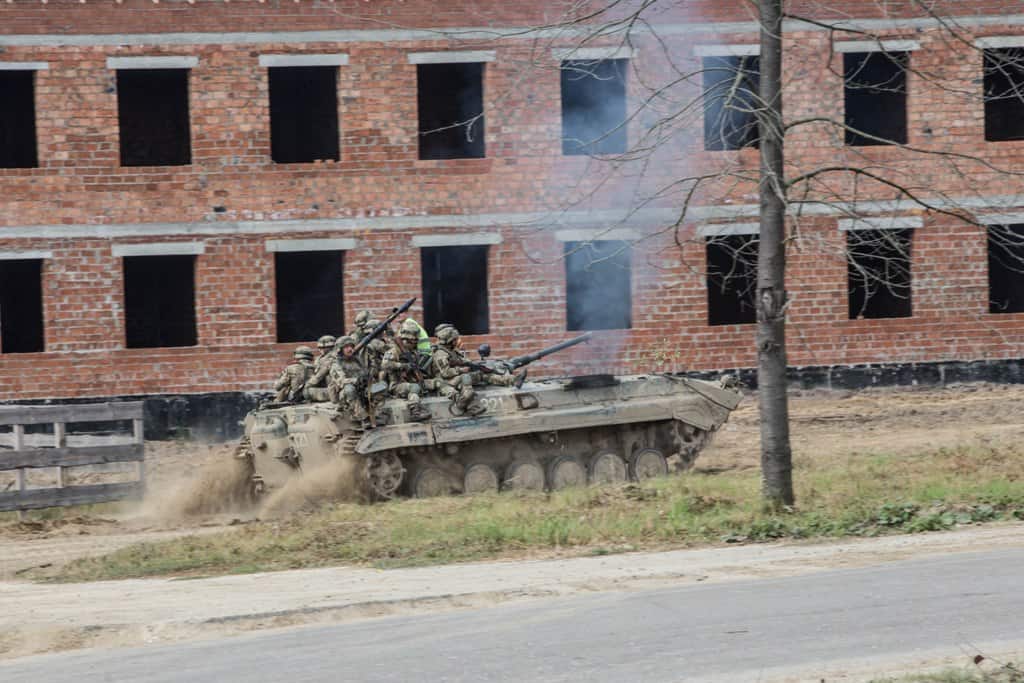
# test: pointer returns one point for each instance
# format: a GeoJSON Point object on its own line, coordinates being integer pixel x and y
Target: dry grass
{"type": "Point", "coordinates": [859, 495]}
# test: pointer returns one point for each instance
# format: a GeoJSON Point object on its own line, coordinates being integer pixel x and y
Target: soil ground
{"type": "Point", "coordinates": [834, 425]}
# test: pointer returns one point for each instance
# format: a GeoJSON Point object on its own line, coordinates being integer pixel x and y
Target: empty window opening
{"type": "Point", "coordinates": [152, 112]}
{"type": "Point", "coordinates": [455, 288]}
{"type": "Point", "coordinates": [1004, 94]}
{"type": "Point", "coordinates": [309, 294]}
{"type": "Point", "coordinates": [450, 98]}
{"type": "Point", "coordinates": [731, 279]}
{"type": "Point", "coordinates": [594, 106]}
{"type": "Point", "coordinates": [875, 96]}
{"type": "Point", "coordinates": [878, 267]}
{"type": "Point", "coordinates": [18, 120]}
{"type": "Point", "coordinates": [21, 306]}
{"type": "Point", "coordinates": [730, 102]}
{"type": "Point", "coordinates": [159, 301]}
{"type": "Point", "coordinates": [303, 113]}
{"type": "Point", "coordinates": [1006, 269]}
{"type": "Point", "coordinates": [597, 285]}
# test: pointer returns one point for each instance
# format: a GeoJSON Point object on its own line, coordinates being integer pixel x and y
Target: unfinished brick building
{"type": "Point", "coordinates": [191, 188]}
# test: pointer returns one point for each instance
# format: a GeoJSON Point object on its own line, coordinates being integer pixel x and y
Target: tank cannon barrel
{"type": "Point", "coordinates": [520, 361]}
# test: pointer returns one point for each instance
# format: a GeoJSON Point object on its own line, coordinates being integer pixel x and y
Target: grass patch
{"type": "Point", "coordinates": [864, 496]}
{"type": "Point", "coordinates": [1004, 673]}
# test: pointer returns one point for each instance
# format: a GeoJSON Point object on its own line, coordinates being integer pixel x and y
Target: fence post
{"type": "Point", "coordinates": [59, 441]}
{"type": "Point", "coordinates": [19, 443]}
{"type": "Point", "coordinates": [138, 432]}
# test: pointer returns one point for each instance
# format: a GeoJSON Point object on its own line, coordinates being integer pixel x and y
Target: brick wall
{"type": "Point", "coordinates": [234, 198]}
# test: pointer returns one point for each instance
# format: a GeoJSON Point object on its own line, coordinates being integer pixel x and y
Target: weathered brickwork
{"type": "Point", "coordinates": [233, 198]}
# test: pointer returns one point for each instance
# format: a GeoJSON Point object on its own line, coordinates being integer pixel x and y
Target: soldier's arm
{"type": "Point", "coordinates": [444, 366]}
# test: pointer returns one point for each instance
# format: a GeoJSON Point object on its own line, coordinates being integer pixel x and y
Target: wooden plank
{"type": "Point", "coordinates": [34, 499]}
{"type": "Point", "coordinates": [46, 440]}
{"type": "Point", "coordinates": [59, 435]}
{"type": "Point", "coordinates": [71, 457]}
{"type": "Point", "coordinates": [81, 412]}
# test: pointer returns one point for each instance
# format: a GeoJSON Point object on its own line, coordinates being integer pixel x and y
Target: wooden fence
{"type": "Point", "coordinates": [20, 451]}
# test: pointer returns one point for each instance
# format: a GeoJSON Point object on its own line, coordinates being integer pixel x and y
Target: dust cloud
{"type": "Point", "coordinates": [220, 486]}
{"type": "Point", "coordinates": [338, 480]}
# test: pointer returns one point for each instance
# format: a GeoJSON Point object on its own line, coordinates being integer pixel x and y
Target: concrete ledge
{"type": "Point", "coordinates": [158, 249]}
{"type": "Point", "coordinates": [1001, 218]}
{"type": "Point", "coordinates": [597, 235]}
{"type": "Point", "coordinates": [742, 50]}
{"type": "Point", "coordinates": [881, 223]}
{"type": "Point", "coordinates": [997, 42]}
{"type": "Point", "coordinates": [338, 59]}
{"type": "Point", "coordinates": [338, 244]}
{"type": "Point", "coordinates": [876, 46]}
{"type": "Point", "coordinates": [456, 239]}
{"type": "Point", "coordinates": [452, 57]}
{"type": "Point", "coordinates": [171, 62]}
{"type": "Point", "coordinates": [726, 229]}
{"type": "Point", "coordinates": [592, 54]}
{"type": "Point", "coordinates": [25, 255]}
{"type": "Point", "coordinates": [24, 66]}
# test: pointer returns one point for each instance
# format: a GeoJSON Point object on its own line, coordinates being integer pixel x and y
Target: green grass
{"type": "Point", "coordinates": [863, 496]}
{"type": "Point", "coordinates": [1006, 673]}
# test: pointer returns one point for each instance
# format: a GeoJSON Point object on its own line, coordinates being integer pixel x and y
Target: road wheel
{"type": "Point", "coordinates": [607, 468]}
{"type": "Point", "coordinates": [430, 482]}
{"type": "Point", "coordinates": [384, 473]}
{"type": "Point", "coordinates": [647, 463]}
{"type": "Point", "coordinates": [565, 471]}
{"type": "Point", "coordinates": [480, 478]}
{"type": "Point", "coordinates": [525, 475]}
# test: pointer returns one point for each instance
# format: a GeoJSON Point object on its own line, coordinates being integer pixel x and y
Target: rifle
{"type": "Point", "coordinates": [375, 332]}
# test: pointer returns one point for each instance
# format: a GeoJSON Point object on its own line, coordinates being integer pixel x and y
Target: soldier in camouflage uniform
{"type": "Point", "coordinates": [454, 381]}
{"type": "Point", "coordinates": [289, 384]}
{"type": "Point", "coordinates": [373, 353]}
{"type": "Point", "coordinates": [347, 379]}
{"type": "Point", "coordinates": [360, 325]}
{"type": "Point", "coordinates": [401, 368]}
{"type": "Point", "coordinates": [316, 386]}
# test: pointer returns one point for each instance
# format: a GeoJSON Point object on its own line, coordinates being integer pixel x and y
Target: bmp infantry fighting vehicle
{"type": "Point", "coordinates": [543, 435]}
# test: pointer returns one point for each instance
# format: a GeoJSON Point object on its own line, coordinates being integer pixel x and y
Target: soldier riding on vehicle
{"type": "Point", "coordinates": [455, 382]}
{"type": "Point", "coordinates": [289, 385]}
{"type": "Point", "coordinates": [316, 386]}
{"type": "Point", "coordinates": [401, 367]}
{"type": "Point", "coordinates": [347, 381]}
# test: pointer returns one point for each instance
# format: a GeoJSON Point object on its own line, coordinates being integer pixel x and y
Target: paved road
{"type": "Point", "coordinates": [728, 631]}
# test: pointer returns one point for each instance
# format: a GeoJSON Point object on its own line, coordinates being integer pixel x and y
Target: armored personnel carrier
{"type": "Point", "coordinates": [545, 435]}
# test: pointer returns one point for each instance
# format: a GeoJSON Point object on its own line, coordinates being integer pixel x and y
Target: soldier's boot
{"type": "Point", "coordinates": [417, 413]}
{"type": "Point", "coordinates": [467, 403]}
{"type": "Point", "coordinates": [520, 378]}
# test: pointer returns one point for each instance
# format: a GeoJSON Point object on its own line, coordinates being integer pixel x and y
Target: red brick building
{"type": "Point", "coordinates": [190, 188]}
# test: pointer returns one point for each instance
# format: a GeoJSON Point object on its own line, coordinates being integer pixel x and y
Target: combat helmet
{"type": "Point", "coordinates": [304, 353]}
{"type": "Point", "coordinates": [437, 330]}
{"type": "Point", "coordinates": [342, 342]}
{"type": "Point", "coordinates": [447, 335]}
{"type": "Point", "coordinates": [409, 331]}
{"type": "Point", "coordinates": [362, 316]}
{"type": "Point", "coordinates": [325, 342]}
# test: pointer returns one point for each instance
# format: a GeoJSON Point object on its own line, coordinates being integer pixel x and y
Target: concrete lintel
{"type": "Point", "coordinates": [592, 54]}
{"type": "Point", "coordinates": [598, 235]}
{"type": "Point", "coordinates": [336, 59]}
{"type": "Point", "coordinates": [451, 57]}
{"type": "Point", "coordinates": [997, 42]}
{"type": "Point", "coordinates": [456, 239]}
{"type": "Point", "coordinates": [24, 66]}
{"type": "Point", "coordinates": [25, 255]}
{"type": "Point", "coordinates": [158, 249]}
{"type": "Point", "coordinates": [876, 46]}
{"type": "Point", "coordinates": [164, 62]}
{"type": "Point", "coordinates": [329, 244]}
{"type": "Point", "coordinates": [1001, 218]}
{"type": "Point", "coordinates": [727, 229]}
{"type": "Point", "coordinates": [482, 32]}
{"type": "Point", "coordinates": [881, 223]}
{"type": "Point", "coordinates": [741, 50]}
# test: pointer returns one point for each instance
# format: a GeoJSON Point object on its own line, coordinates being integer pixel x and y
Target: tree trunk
{"type": "Point", "coordinates": [776, 456]}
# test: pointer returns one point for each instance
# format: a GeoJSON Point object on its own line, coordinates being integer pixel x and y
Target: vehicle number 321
{"type": "Point", "coordinates": [490, 403]}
